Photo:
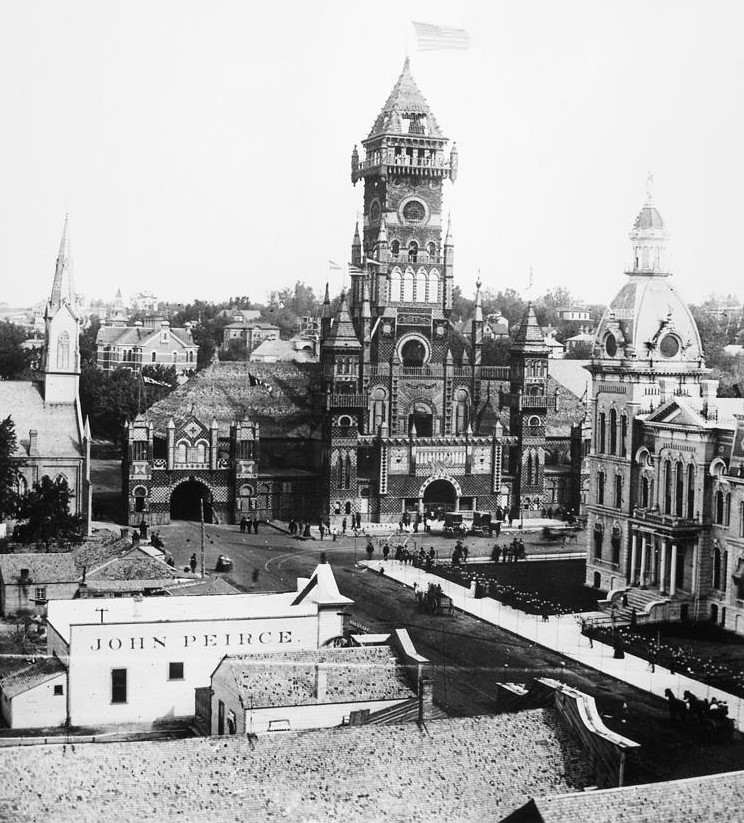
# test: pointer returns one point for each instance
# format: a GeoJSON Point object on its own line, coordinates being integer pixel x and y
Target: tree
{"type": "Point", "coordinates": [46, 508]}
{"type": "Point", "coordinates": [287, 306]}
{"type": "Point", "coordinates": [236, 349]}
{"type": "Point", "coordinates": [88, 337]}
{"type": "Point", "coordinates": [15, 361]}
{"type": "Point", "coordinates": [8, 468]}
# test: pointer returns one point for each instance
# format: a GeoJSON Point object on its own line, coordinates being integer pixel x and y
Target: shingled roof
{"type": "Point", "coordinates": [58, 567]}
{"type": "Point", "coordinates": [529, 334]}
{"type": "Point", "coordinates": [35, 674]}
{"type": "Point", "coordinates": [405, 98]}
{"type": "Point", "coordinates": [56, 424]}
{"type": "Point", "coordinates": [280, 404]}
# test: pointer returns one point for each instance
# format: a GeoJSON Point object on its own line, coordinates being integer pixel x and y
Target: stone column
{"type": "Point", "coordinates": [663, 575]}
{"type": "Point", "coordinates": [633, 558]}
{"type": "Point", "coordinates": [673, 575]}
{"type": "Point", "coordinates": [642, 574]}
{"type": "Point", "coordinates": [696, 560]}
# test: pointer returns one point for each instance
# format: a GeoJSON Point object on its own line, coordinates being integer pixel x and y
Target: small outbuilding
{"type": "Point", "coordinates": [29, 581]}
{"type": "Point", "coordinates": [35, 696]}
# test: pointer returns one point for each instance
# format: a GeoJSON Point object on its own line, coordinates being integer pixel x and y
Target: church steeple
{"type": "Point", "coordinates": [649, 237]}
{"type": "Point", "coordinates": [61, 350]}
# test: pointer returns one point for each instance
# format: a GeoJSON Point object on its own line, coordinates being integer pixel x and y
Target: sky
{"type": "Point", "coordinates": [203, 150]}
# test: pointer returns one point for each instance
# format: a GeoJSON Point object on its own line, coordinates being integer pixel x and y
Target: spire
{"type": "Point", "coordinates": [406, 109]}
{"type": "Point", "coordinates": [382, 237]}
{"type": "Point", "coordinates": [366, 311]}
{"type": "Point", "coordinates": [449, 237]}
{"type": "Point", "coordinates": [529, 335]}
{"type": "Point", "coordinates": [326, 309]}
{"type": "Point", "coordinates": [478, 302]}
{"type": "Point", "coordinates": [61, 292]}
{"type": "Point", "coordinates": [343, 334]}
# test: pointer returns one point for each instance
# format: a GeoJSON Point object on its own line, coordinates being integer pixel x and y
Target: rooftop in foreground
{"type": "Point", "coordinates": [475, 769]}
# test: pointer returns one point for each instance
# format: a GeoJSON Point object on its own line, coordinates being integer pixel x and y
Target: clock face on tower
{"type": "Point", "coordinates": [414, 211]}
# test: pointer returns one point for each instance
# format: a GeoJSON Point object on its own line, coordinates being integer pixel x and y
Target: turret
{"type": "Point", "coordinates": [476, 335]}
{"type": "Point", "coordinates": [454, 160]}
{"type": "Point", "coordinates": [356, 248]}
{"type": "Point", "coordinates": [354, 166]}
{"type": "Point", "coordinates": [325, 316]}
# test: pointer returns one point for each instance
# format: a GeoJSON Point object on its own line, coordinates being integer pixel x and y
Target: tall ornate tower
{"type": "Point", "coordinates": [62, 350]}
{"type": "Point", "coordinates": [529, 403]}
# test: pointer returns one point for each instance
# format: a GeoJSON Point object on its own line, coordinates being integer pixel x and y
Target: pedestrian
{"type": "Point", "coordinates": [358, 520]}
{"type": "Point", "coordinates": [652, 660]}
{"type": "Point", "coordinates": [370, 549]}
{"type": "Point", "coordinates": [334, 533]}
{"type": "Point", "coordinates": [244, 523]}
{"type": "Point", "coordinates": [625, 599]}
{"type": "Point", "coordinates": [143, 529]}
{"type": "Point", "coordinates": [254, 577]}
{"type": "Point", "coordinates": [496, 553]}
{"type": "Point", "coordinates": [343, 526]}
{"type": "Point", "coordinates": [255, 525]}
{"type": "Point", "coordinates": [385, 552]}
{"type": "Point", "coordinates": [321, 529]}
{"type": "Point", "coordinates": [192, 563]}
{"type": "Point", "coordinates": [633, 618]}
{"type": "Point", "coordinates": [497, 528]}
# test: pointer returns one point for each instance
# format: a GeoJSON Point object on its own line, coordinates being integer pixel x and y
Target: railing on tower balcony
{"type": "Point", "coordinates": [436, 164]}
{"type": "Point", "coordinates": [422, 259]}
{"type": "Point", "coordinates": [340, 401]}
{"type": "Point", "coordinates": [494, 373]}
{"type": "Point", "coordinates": [531, 401]}
{"type": "Point", "coordinates": [383, 370]}
{"type": "Point", "coordinates": [654, 517]}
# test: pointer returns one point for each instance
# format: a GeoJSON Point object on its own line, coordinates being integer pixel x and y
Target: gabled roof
{"type": "Point", "coordinates": [31, 676]}
{"type": "Point", "coordinates": [405, 98]}
{"type": "Point", "coordinates": [136, 565]}
{"type": "Point", "coordinates": [42, 568]}
{"type": "Point", "coordinates": [56, 424]}
{"type": "Point", "coordinates": [139, 336]}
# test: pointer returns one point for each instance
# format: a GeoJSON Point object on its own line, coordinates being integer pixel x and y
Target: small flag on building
{"type": "Point", "coordinates": [372, 262]}
{"type": "Point", "coordinates": [254, 381]}
{"type": "Point", "coordinates": [433, 38]}
{"type": "Point", "coordinates": [333, 265]}
{"type": "Point", "coordinates": [150, 381]}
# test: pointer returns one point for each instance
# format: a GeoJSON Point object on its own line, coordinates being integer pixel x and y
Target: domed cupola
{"type": "Point", "coordinates": [648, 325]}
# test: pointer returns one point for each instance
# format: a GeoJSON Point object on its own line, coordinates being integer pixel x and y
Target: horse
{"type": "Point", "coordinates": [698, 708]}
{"type": "Point", "coordinates": [677, 707]}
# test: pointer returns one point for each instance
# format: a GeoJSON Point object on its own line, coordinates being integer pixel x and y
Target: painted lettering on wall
{"type": "Point", "coordinates": [193, 641]}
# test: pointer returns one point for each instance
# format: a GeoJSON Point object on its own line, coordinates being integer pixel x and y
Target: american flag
{"type": "Point", "coordinates": [431, 37]}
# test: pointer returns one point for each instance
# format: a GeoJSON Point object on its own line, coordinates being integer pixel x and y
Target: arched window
{"type": "Point", "coordinates": [727, 509]}
{"type": "Point", "coordinates": [395, 284]}
{"type": "Point", "coordinates": [175, 357]}
{"type": "Point", "coordinates": [615, 543]}
{"type": "Point", "coordinates": [613, 431]}
{"type": "Point", "coordinates": [716, 568]}
{"type": "Point", "coordinates": [433, 293]}
{"type": "Point", "coordinates": [644, 497]}
{"type": "Point", "coordinates": [718, 507]}
{"type": "Point", "coordinates": [667, 487]}
{"type": "Point", "coordinates": [201, 452]}
{"type": "Point", "coordinates": [63, 351]}
{"type": "Point", "coordinates": [379, 416]}
{"type": "Point", "coordinates": [395, 248]}
{"type": "Point", "coordinates": [598, 536]}
{"type": "Point", "coordinates": [618, 491]}
{"type": "Point", "coordinates": [602, 433]}
{"type": "Point", "coordinates": [624, 435]}
{"type": "Point", "coordinates": [528, 470]}
{"type": "Point", "coordinates": [432, 249]}
{"type": "Point", "coordinates": [345, 425]}
{"type": "Point", "coordinates": [413, 248]}
{"type": "Point", "coordinates": [679, 489]}
{"type": "Point", "coordinates": [181, 452]}
{"type": "Point", "coordinates": [461, 411]}
{"type": "Point", "coordinates": [600, 487]}
{"type": "Point", "coordinates": [420, 288]}
{"type": "Point", "coordinates": [407, 293]}
{"type": "Point", "coordinates": [153, 357]}
{"type": "Point", "coordinates": [140, 498]}
{"type": "Point", "coordinates": [691, 491]}
{"type": "Point", "coordinates": [347, 471]}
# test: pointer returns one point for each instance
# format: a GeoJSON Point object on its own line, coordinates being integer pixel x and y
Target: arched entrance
{"type": "Point", "coordinates": [440, 495]}
{"type": "Point", "coordinates": [186, 499]}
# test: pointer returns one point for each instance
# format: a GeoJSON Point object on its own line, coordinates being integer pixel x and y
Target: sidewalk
{"type": "Point", "coordinates": [563, 635]}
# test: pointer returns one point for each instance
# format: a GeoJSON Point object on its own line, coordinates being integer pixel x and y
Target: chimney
{"type": "Point", "coordinates": [33, 443]}
{"type": "Point", "coordinates": [321, 682]}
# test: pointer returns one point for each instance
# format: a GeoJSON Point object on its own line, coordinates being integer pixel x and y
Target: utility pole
{"type": "Point", "coordinates": [201, 511]}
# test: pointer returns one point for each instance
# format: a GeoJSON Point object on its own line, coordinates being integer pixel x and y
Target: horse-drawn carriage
{"type": "Point", "coordinates": [708, 718]}
{"type": "Point", "coordinates": [434, 601]}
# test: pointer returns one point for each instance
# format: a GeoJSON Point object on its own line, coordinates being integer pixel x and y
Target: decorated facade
{"type": "Point", "coordinates": [666, 501]}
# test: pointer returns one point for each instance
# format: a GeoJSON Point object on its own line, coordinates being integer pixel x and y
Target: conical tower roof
{"type": "Point", "coordinates": [62, 283]}
{"type": "Point", "coordinates": [405, 100]}
{"type": "Point", "coordinates": [343, 334]}
{"type": "Point", "coordinates": [529, 334]}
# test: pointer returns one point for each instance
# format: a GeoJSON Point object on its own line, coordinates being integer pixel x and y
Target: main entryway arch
{"type": "Point", "coordinates": [186, 499]}
{"type": "Point", "coordinates": [440, 494]}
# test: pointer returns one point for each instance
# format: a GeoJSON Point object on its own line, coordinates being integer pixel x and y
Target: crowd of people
{"type": "Point", "coordinates": [676, 658]}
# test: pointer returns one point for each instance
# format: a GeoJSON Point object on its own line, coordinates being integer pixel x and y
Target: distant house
{"type": "Point", "coordinates": [296, 350]}
{"type": "Point", "coordinates": [556, 349]}
{"type": "Point", "coordinates": [240, 315]}
{"type": "Point", "coordinates": [252, 333]}
{"type": "Point", "coordinates": [496, 325]}
{"type": "Point", "coordinates": [575, 314]}
{"type": "Point", "coordinates": [582, 340]}
{"type": "Point", "coordinates": [154, 344]}
{"type": "Point", "coordinates": [33, 695]}
{"type": "Point", "coordinates": [29, 581]}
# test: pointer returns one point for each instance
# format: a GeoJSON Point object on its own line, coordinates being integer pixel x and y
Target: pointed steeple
{"type": "Point", "coordinates": [366, 311]}
{"type": "Point", "coordinates": [326, 309]}
{"type": "Point", "coordinates": [529, 334]}
{"type": "Point", "coordinates": [478, 301]}
{"type": "Point", "coordinates": [343, 334]}
{"type": "Point", "coordinates": [449, 239]}
{"type": "Point", "coordinates": [62, 283]}
{"type": "Point", "coordinates": [406, 109]}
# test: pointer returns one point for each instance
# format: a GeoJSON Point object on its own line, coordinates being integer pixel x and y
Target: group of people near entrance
{"type": "Point", "coordinates": [511, 553]}
{"type": "Point", "coordinates": [246, 525]}
{"type": "Point", "coordinates": [297, 528]}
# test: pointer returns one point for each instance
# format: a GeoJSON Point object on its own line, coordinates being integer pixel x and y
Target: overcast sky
{"type": "Point", "coordinates": [202, 149]}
